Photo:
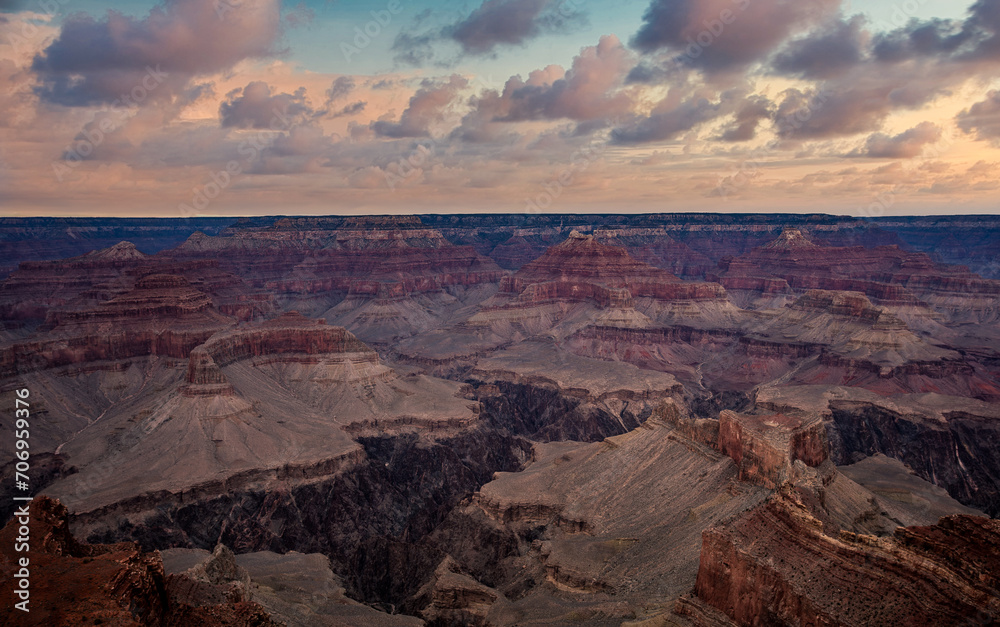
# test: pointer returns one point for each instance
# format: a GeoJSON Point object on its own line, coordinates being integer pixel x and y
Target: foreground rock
{"type": "Point", "coordinates": [777, 565]}
{"type": "Point", "coordinates": [85, 584]}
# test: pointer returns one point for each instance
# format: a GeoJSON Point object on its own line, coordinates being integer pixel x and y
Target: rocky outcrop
{"type": "Point", "coordinates": [775, 565]}
{"type": "Point", "coordinates": [583, 258]}
{"type": "Point", "coordinates": [584, 268]}
{"type": "Point", "coordinates": [536, 390]}
{"type": "Point", "coordinates": [765, 446]}
{"type": "Point", "coordinates": [297, 589]}
{"type": "Point", "coordinates": [119, 584]}
{"type": "Point", "coordinates": [290, 338]}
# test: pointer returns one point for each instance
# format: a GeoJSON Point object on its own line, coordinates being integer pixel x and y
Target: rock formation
{"type": "Point", "coordinates": [382, 279]}
{"type": "Point", "coordinates": [74, 583]}
{"type": "Point", "coordinates": [270, 400]}
{"type": "Point", "coordinates": [888, 275]}
{"type": "Point", "coordinates": [582, 281]}
{"type": "Point", "coordinates": [163, 315]}
{"type": "Point", "coordinates": [777, 566]}
{"type": "Point", "coordinates": [765, 447]}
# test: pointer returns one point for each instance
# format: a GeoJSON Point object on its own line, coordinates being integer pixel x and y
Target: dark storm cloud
{"type": "Point", "coordinates": [723, 34]}
{"type": "Point", "coordinates": [906, 145]}
{"type": "Point", "coordinates": [830, 50]}
{"type": "Point", "coordinates": [254, 106]}
{"type": "Point", "coordinates": [94, 61]}
{"type": "Point", "coordinates": [982, 118]}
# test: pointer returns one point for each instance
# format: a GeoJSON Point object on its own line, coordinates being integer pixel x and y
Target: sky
{"type": "Point", "coordinates": [184, 108]}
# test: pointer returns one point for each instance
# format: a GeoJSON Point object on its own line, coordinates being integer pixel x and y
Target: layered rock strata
{"type": "Point", "coordinates": [775, 565]}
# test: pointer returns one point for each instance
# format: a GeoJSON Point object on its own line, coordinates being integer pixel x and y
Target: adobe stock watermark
{"type": "Point", "coordinates": [749, 168]}
{"type": "Point", "coordinates": [87, 140]}
{"type": "Point", "coordinates": [363, 35]}
{"type": "Point", "coordinates": [552, 189]}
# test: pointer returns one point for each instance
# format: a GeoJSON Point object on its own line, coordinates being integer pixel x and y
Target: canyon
{"type": "Point", "coordinates": [669, 419]}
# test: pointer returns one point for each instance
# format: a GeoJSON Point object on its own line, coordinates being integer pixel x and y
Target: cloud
{"type": "Point", "coordinates": [415, 49]}
{"type": "Point", "coordinates": [906, 145]}
{"type": "Point", "coordinates": [350, 109]}
{"type": "Point", "coordinates": [429, 105]}
{"type": "Point", "coordinates": [826, 52]}
{"type": "Point", "coordinates": [674, 115]}
{"type": "Point", "coordinates": [298, 16]}
{"type": "Point", "coordinates": [254, 106]}
{"type": "Point", "coordinates": [97, 61]}
{"type": "Point", "coordinates": [512, 23]}
{"type": "Point", "coordinates": [719, 35]}
{"type": "Point", "coordinates": [927, 38]}
{"type": "Point", "coordinates": [821, 113]}
{"type": "Point", "coordinates": [589, 90]}
{"type": "Point", "coordinates": [303, 148]}
{"type": "Point", "coordinates": [748, 117]}
{"type": "Point", "coordinates": [859, 101]}
{"type": "Point", "coordinates": [860, 79]}
{"type": "Point", "coordinates": [493, 25]}
{"type": "Point", "coordinates": [982, 118]}
{"type": "Point", "coordinates": [340, 88]}
{"type": "Point", "coordinates": [973, 40]}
